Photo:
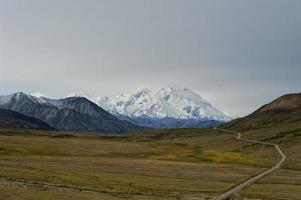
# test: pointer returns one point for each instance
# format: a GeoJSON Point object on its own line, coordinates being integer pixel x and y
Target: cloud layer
{"type": "Point", "coordinates": [236, 54]}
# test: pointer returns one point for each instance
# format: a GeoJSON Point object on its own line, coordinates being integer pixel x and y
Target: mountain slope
{"type": "Point", "coordinates": [80, 94]}
{"type": "Point", "coordinates": [39, 94]}
{"type": "Point", "coordinates": [11, 119]}
{"type": "Point", "coordinates": [69, 114]}
{"type": "Point", "coordinates": [284, 110]}
{"type": "Point", "coordinates": [165, 108]}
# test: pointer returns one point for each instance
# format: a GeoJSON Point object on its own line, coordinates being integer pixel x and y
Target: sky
{"type": "Point", "coordinates": [237, 54]}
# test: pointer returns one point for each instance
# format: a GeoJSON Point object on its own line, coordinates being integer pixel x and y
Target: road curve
{"type": "Point", "coordinates": [228, 194]}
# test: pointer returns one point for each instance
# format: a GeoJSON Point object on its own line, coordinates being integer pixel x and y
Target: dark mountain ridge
{"type": "Point", "coordinates": [10, 119]}
{"type": "Point", "coordinates": [69, 114]}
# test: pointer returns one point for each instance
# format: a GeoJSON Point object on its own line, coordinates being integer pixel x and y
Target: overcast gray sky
{"type": "Point", "coordinates": [237, 54]}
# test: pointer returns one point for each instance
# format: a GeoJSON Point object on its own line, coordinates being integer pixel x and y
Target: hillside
{"type": "Point", "coordinates": [285, 110]}
{"type": "Point", "coordinates": [10, 119]}
{"type": "Point", "coordinates": [278, 122]}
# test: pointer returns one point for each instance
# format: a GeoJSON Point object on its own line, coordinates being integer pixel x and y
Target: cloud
{"type": "Point", "coordinates": [238, 54]}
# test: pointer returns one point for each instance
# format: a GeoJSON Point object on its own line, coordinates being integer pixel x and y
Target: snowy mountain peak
{"type": "Point", "coordinates": [6, 99]}
{"type": "Point", "coordinates": [166, 102]}
{"type": "Point", "coordinates": [80, 94]}
{"type": "Point", "coordinates": [184, 94]}
{"type": "Point", "coordinates": [39, 95]}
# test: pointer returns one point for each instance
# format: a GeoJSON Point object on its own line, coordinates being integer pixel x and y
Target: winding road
{"type": "Point", "coordinates": [228, 194]}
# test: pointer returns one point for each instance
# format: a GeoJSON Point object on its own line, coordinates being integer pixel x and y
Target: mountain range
{"type": "Point", "coordinates": [128, 112]}
{"type": "Point", "coordinates": [68, 114]}
{"type": "Point", "coordinates": [165, 108]}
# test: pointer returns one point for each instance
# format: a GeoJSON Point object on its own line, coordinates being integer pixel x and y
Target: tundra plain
{"type": "Point", "coordinates": [159, 164]}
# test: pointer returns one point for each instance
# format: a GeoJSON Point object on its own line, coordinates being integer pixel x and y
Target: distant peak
{"type": "Point", "coordinates": [175, 89]}
{"type": "Point", "coordinates": [141, 90]}
{"type": "Point", "coordinates": [173, 102]}
{"type": "Point", "coordinates": [78, 94]}
{"type": "Point", "coordinates": [39, 95]}
{"type": "Point", "coordinates": [81, 94]}
{"type": "Point", "coordinates": [166, 89]}
{"type": "Point", "coordinates": [20, 94]}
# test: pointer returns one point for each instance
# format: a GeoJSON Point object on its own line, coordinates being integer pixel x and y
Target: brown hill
{"type": "Point", "coordinates": [286, 103]}
{"type": "Point", "coordinates": [284, 110]}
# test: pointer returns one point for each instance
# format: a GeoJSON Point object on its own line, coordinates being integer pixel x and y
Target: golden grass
{"type": "Point", "coordinates": [135, 167]}
{"type": "Point", "coordinates": [230, 157]}
{"type": "Point", "coordinates": [163, 164]}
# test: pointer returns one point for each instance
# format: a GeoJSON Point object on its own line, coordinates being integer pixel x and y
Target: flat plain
{"type": "Point", "coordinates": [161, 164]}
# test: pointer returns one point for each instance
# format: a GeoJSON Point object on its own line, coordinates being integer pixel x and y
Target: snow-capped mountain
{"type": "Point", "coordinates": [172, 105]}
{"type": "Point", "coordinates": [165, 108]}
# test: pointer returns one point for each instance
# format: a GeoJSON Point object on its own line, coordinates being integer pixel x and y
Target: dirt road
{"type": "Point", "coordinates": [228, 194]}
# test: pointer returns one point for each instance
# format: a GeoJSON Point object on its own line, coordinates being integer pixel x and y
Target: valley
{"type": "Point", "coordinates": [254, 157]}
{"type": "Point", "coordinates": [150, 100]}
{"type": "Point", "coordinates": [161, 164]}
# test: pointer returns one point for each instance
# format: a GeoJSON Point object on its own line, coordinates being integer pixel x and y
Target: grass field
{"type": "Point", "coordinates": [285, 183]}
{"type": "Point", "coordinates": [164, 164]}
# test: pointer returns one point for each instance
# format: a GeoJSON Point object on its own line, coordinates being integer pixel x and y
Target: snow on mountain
{"type": "Point", "coordinates": [39, 94]}
{"type": "Point", "coordinates": [4, 99]}
{"type": "Point", "coordinates": [80, 94]}
{"type": "Point", "coordinates": [38, 98]}
{"type": "Point", "coordinates": [165, 103]}
{"type": "Point", "coordinates": [165, 108]}
{"type": "Point", "coordinates": [22, 97]}
{"type": "Point", "coordinates": [68, 114]}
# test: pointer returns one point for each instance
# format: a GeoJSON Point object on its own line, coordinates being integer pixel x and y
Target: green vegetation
{"type": "Point", "coordinates": [167, 164]}
{"type": "Point", "coordinates": [278, 122]}
{"type": "Point", "coordinates": [163, 164]}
